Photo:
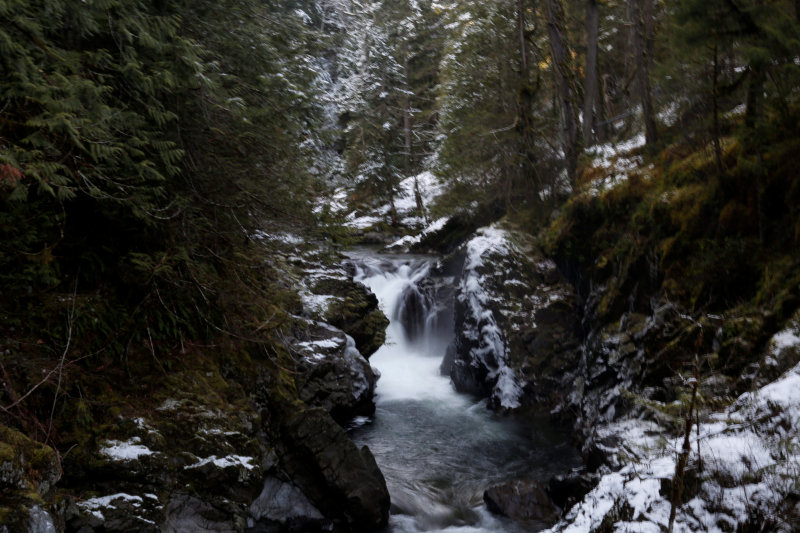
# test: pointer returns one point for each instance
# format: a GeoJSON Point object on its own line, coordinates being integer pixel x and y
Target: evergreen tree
{"type": "Point", "coordinates": [372, 95]}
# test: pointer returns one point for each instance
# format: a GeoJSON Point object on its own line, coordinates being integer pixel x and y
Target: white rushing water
{"type": "Point", "coordinates": [438, 449]}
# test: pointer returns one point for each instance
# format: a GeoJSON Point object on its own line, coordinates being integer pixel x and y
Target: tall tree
{"type": "Point", "coordinates": [642, 28]}
{"type": "Point", "coordinates": [591, 86]}
{"type": "Point", "coordinates": [564, 75]}
{"type": "Point", "coordinates": [373, 89]}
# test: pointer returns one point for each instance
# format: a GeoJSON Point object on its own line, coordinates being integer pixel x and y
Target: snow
{"type": "Point", "coordinates": [405, 203]}
{"type": "Point", "coordinates": [750, 455]}
{"type": "Point", "coordinates": [286, 238]}
{"type": "Point", "coordinates": [408, 241]}
{"type": "Point", "coordinates": [169, 404]}
{"type": "Point", "coordinates": [94, 506]}
{"type": "Point", "coordinates": [224, 462]}
{"type": "Point", "coordinates": [125, 450]}
{"type": "Point", "coordinates": [491, 350]}
{"type": "Point", "coordinates": [787, 338]}
{"type": "Point", "coordinates": [316, 303]}
{"type": "Point", "coordinates": [617, 162]}
{"type": "Point", "coordinates": [99, 502]}
{"type": "Point", "coordinates": [330, 343]}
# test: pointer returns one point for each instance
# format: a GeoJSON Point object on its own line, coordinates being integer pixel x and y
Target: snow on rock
{"type": "Point", "coordinates": [747, 467]}
{"type": "Point", "coordinates": [100, 506]}
{"type": "Point", "coordinates": [332, 373]}
{"type": "Point", "coordinates": [481, 341]}
{"type": "Point", "coordinates": [224, 462]}
{"type": "Point", "coordinates": [405, 243]}
{"type": "Point", "coordinates": [514, 318]}
{"type": "Point", "coordinates": [129, 450]}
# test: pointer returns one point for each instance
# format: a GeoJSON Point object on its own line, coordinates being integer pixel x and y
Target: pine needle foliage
{"type": "Point", "coordinates": [146, 146]}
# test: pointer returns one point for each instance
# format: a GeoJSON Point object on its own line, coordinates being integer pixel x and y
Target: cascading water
{"type": "Point", "coordinates": [438, 449]}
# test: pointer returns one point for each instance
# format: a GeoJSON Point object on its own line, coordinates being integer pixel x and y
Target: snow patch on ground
{"type": "Point", "coordinates": [125, 450]}
{"type": "Point", "coordinates": [405, 203]}
{"type": "Point", "coordinates": [748, 464]}
{"type": "Point", "coordinates": [616, 161]}
{"type": "Point", "coordinates": [405, 243]}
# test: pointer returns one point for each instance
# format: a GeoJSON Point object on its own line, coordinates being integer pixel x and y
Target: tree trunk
{"type": "Point", "coordinates": [563, 73]}
{"type": "Point", "coordinates": [755, 88]}
{"type": "Point", "coordinates": [715, 108]}
{"type": "Point", "coordinates": [642, 28]}
{"type": "Point", "coordinates": [591, 87]}
{"type": "Point", "coordinates": [524, 119]}
{"type": "Point", "coordinates": [523, 41]}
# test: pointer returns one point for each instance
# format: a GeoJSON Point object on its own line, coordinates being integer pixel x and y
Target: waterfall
{"type": "Point", "coordinates": [438, 449]}
{"type": "Point", "coordinates": [418, 329]}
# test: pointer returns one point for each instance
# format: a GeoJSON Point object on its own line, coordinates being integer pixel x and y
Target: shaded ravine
{"type": "Point", "coordinates": [438, 449]}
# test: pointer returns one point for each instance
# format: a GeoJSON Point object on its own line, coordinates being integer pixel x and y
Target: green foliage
{"type": "Point", "coordinates": [708, 241]}
{"type": "Point", "coordinates": [144, 148]}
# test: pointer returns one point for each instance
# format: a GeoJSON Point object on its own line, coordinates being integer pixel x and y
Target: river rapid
{"type": "Point", "coordinates": [439, 449]}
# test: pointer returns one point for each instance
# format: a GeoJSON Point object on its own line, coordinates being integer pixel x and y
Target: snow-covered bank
{"type": "Point", "coordinates": [413, 193]}
{"type": "Point", "coordinates": [743, 467]}
{"type": "Point", "coordinates": [613, 163]}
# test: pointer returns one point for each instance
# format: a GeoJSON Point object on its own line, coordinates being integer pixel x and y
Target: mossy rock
{"type": "Point", "coordinates": [29, 471]}
{"type": "Point", "coordinates": [28, 468]}
{"type": "Point", "coordinates": [358, 315]}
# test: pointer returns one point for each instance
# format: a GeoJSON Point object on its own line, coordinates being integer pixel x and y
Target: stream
{"type": "Point", "coordinates": [439, 449]}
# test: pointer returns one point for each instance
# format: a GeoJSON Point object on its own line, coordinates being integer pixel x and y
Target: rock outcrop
{"type": "Point", "coordinates": [521, 500]}
{"type": "Point", "coordinates": [338, 478]}
{"type": "Point", "coordinates": [516, 322]}
{"type": "Point", "coordinates": [29, 472]}
{"type": "Point", "coordinates": [332, 374]}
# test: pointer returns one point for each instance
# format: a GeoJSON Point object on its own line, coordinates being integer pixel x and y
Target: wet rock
{"type": "Point", "coordinates": [521, 500]}
{"type": "Point", "coordinates": [283, 507]}
{"type": "Point", "coordinates": [516, 323]}
{"type": "Point", "coordinates": [27, 467]}
{"type": "Point", "coordinates": [339, 479]}
{"type": "Point", "coordinates": [566, 490]}
{"type": "Point", "coordinates": [416, 302]}
{"type": "Point", "coordinates": [188, 513]}
{"type": "Point", "coordinates": [115, 512]}
{"type": "Point", "coordinates": [196, 463]}
{"type": "Point", "coordinates": [358, 314]}
{"type": "Point", "coordinates": [332, 374]}
{"type": "Point", "coordinates": [28, 472]}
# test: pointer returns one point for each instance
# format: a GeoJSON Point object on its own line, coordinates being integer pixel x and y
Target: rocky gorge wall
{"type": "Point", "coordinates": [616, 361]}
{"type": "Point", "coordinates": [236, 439]}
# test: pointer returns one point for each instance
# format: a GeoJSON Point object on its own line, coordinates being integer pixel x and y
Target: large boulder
{"type": "Point", "coordinates": [193, 460]}
{"type": "Point", "coordinates": [338, 478]}
{"type": "Point", "coordinates": [332, 374]}
{"type": "Point", "coordinates": [516, 322]}
{"type": "Point", "coordinates": [282, 507]}
{"type": "Point", "coordinates": [525, 499]}
{"type": "Point", "coordinates": [330, 294]}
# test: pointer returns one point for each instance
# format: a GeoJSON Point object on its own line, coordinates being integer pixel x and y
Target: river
{"type": "Point", "coordinates": [439, 449]}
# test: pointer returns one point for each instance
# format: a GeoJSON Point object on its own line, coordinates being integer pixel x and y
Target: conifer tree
{"type": "Point", "coordinates": [373, 91]}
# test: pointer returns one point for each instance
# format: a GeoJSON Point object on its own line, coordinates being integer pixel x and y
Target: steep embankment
{"type": "Point", "coordinates": [671, 317]}
{"type": "Point", "coordinates": [228, 436]}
